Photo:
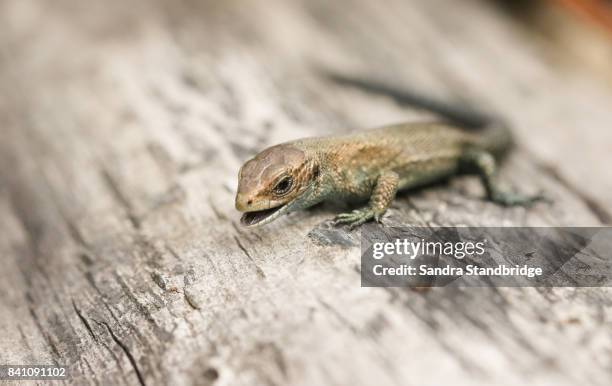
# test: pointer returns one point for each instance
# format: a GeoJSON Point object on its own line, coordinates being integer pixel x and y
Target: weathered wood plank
{"type": "Point", "coordinates": [123, 131]}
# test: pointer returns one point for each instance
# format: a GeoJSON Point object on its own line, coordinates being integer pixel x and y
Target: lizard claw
{"type": "Point", "coordinates": [354, 218]}
{"type": "Point", "coordinates": [515, 199]}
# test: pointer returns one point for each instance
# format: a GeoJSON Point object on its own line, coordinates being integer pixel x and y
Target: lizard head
{"type": "Point", "coordinates": [276, 181]}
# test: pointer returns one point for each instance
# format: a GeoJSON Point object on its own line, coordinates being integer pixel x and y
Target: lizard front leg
{"type": "Point", "coordinates": [382, 195]}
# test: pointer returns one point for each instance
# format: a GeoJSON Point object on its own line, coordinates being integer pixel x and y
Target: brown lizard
{"type": "Point", "coordinates": [372, 164]}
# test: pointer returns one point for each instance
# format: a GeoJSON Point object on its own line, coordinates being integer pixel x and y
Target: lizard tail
{"type": "Point", "coordinates": [496, 136]}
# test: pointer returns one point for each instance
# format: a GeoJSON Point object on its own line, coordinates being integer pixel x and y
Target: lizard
{"type": "Point", "coordinates": [373, 165]}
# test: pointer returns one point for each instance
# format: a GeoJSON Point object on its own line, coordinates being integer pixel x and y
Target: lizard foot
{"type": "Point", "coordinates": [356, 217]}
{"type": "Point", "coordinates": [514, 199]}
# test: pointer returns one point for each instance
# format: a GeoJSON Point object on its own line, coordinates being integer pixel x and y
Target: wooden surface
{"type": "Point", "coordinates": [124, 125]}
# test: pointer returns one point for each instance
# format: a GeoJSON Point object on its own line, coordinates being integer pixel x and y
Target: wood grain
{"type": "Point", "coordinates": [123, 127]}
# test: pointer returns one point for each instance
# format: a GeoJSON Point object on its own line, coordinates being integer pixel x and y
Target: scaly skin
{"type": "Point", "coordinates": [371, 165]}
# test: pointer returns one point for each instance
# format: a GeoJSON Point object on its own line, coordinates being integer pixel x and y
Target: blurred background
{"type": "Point", "coordinates": [579, 29]}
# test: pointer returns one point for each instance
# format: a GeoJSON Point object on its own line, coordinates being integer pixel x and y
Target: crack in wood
{"type": "Point", "coordinates": [48, 338]}
{"type": "Point", "coordinates": [91, 281]}
{"type": "Point", "coordinates": [84, 321]}
{"type": "Point", "coordinates": [142, 308]}
{"type": "Point", "coordinates": [258, 269]}
{"type": "Point", "coordinates": [120, 198]}
{"type": "Point", "coordinates": [91, 370]}
{"type": "Point", "coordinates": [125, 350]}
{"type": "Point", "coordinates": [220, 216]}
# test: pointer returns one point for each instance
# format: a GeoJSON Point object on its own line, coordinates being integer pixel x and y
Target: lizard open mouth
{"type": "Point", "coordinates": [260, 217]}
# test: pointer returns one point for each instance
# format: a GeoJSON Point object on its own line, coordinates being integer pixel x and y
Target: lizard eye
{"type": "Point", "coordinates": [283, 186]}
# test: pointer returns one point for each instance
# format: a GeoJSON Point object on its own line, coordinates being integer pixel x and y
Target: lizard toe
{"type": "Point", "coordinates": [346, 219]}
{"type": "Point", "coordinates": [355, 218]}
{"type": "Point", "coordinates": [516, 199]}
{"type": "Point", "coordinates": [358, 222]}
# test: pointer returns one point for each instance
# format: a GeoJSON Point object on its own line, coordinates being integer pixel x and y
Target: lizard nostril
{"type": "Point", "coordinates": [249, 202]}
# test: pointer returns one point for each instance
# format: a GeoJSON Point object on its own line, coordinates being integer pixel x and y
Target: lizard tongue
{"type": "Point", "coordinates": [252, 218]}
